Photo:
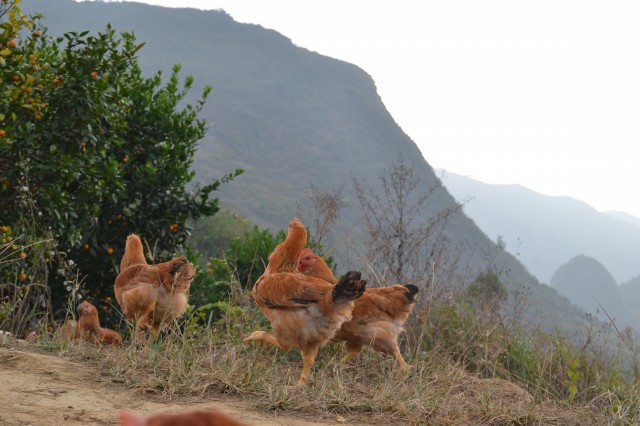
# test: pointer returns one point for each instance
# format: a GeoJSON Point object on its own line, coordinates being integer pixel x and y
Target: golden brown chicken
{"type": "Point", "coordinates": [87, 328]}
{"type": "Point", "coordinates": [304, 312]}
{"type": "Point", "coordinates": [90, 330]}
{"type": "Point", "coordinates": [316, 266]}
{"type": "Point", "coordinates": [133, 253]}
{"type": "Point", "coordinates": [284, 257]}
{"type": "Point", "coordinates": [152, 295]}
{"type": "Point", "coordinates": [378, 316]}
{"type": "Point", "coordinates": [193, 418]}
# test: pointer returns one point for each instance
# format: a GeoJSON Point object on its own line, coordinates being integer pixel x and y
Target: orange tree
{"type": "Point", "coordinates": [100, 152]}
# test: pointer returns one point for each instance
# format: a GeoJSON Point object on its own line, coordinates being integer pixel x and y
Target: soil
{"type": "Point", "coordinates": [42, 389]}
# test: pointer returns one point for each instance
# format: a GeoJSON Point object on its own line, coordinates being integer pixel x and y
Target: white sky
{"type": "Point", "coordinates": [542, 93]}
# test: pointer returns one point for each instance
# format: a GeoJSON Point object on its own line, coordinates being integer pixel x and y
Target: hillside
{"type": "Point", "coordinates": [589, 285]}
{"type": "Point", "coordinates": [544, 232]}
{"type": "Point", "coordinates": [626, 217]}
{"type": "Point", "coordinates": [631, 293]}
{"type": "Point", "coordinates": [292, 118]}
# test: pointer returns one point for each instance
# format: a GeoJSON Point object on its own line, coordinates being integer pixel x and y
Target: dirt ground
{"type": "Point", "coordinates": [40, 389]}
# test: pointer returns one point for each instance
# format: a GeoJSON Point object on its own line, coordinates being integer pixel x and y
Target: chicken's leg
{"type": "Point", "coordinates": [353, 349]}
{"type": "Point", "coordinates": [263, 337]}
{"type": "Point", "coordinates": [308, 358]}
{"type": "Point", "coordinates": [398, 356]}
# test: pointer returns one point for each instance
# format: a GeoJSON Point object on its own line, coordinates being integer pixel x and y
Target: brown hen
{"type": "Point", "coordinates": [152, 295]}
{"type": "Point", "coordinates": [304, 312]}
{"type": "Point", "coordinates": [89, 327]}
{"type": "Point", "coordinates": [378, 316]}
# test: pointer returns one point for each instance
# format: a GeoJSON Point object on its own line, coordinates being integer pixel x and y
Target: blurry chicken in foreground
{"type": "Point", "coordinates": [304, 312]}
{"type": "Point", "coordinates": [151, 295]}
{"type": "Point", "coordinates": [193, 418]}
{"type": "Point", "coordinates": [378, 316]}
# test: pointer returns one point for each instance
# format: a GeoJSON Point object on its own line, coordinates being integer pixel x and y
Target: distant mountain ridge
{"type": "Point", "coordinates": [291, 118]}
{"type": "Point", "coordinates": [588, 284]}
{"type": "Point", "coordinates": [626, 217]}
{"type": "Point", "coordinates": [544, 232]}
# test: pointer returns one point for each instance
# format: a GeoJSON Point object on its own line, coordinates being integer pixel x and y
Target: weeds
{"type": "Point", "coordinates": [470, 364]}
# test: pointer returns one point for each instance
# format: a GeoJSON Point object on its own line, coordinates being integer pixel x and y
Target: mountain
{"type": "Point", "coordinates": [626, 217]}
{"type": "Point", "coordinates": [544, 232]}
{"type": "Point", "coordinates": [292, 118]}
{"type": "Point", "coordinates": [588, 284]}
{"type": "Point", "coordinates": [631, 293]}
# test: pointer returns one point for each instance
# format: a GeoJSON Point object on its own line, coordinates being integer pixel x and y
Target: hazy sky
{"type": "Point", "coordinates": [541, 93]}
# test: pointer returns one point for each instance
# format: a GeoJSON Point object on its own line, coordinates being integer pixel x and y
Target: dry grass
{"type": "Point", "coordinates": [370, 389]}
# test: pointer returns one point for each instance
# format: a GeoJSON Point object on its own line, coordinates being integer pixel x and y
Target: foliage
{"type": "Point", "coordinates": [548, 365]}
{"type": "Point", "coordinates": [487, 289]}
{"type": "Point", "coordinates": [249, 254]}
{"type": "Point", "coordinates": [91, 151]}
{"type": "Point", "coordinates": [212, 235]}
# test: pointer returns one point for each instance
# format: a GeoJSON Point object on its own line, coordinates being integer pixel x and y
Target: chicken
{"type": "Point", "coordinates": [378, 316]}
{"type": "Point", "coordinates": [193, 418]}
{"type": "Point", "coordinates": [133, 253]}
{"type": "Point", "coordinates": [89, 328]}
{"type": "Point", "coordinates": [316, 266]}
{"type": "Point", "coordinates": [304, 312]}
{"type": "Point", "coordinates": [152, 295]}
{"type": "Point", "coordinates": [284, 257]}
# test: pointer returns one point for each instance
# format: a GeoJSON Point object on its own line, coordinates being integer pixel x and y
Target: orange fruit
{"type": "Point", "coordinates": [109, 251]}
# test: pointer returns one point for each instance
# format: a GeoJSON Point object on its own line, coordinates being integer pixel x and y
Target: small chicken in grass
{"type": "Point", "coordinates": [378, 316]}
{"type": "Point", "coordinates": [304, 312]}
{"type": "Point", "coordinates": [90, 330]}
{"type": "Point", "coordinates": [193, 418]}
{"type": "Point", "coordinates": [152, 295]}
{"type": "Point", "coordinates": [87, 328]}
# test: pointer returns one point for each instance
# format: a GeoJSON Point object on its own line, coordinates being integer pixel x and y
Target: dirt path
{"type": "Point", "coordinates": [45, 390]}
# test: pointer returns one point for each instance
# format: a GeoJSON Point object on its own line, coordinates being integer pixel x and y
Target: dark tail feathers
{"type": "Point", "coordinates": [350, 286]}
{"type": "Point", "coordinates": [412, 290]}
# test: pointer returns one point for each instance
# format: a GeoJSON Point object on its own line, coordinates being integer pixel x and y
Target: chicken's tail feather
{"type": "Point", "coordinates": [412, 290]}
{"type": "Point", "coordinates": [350, 286]}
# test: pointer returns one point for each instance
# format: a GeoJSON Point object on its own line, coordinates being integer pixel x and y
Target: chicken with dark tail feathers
{"type": "Point", "coordinates": [304, 312]}
{"type": "Point", "coordinates": [378, 316]}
